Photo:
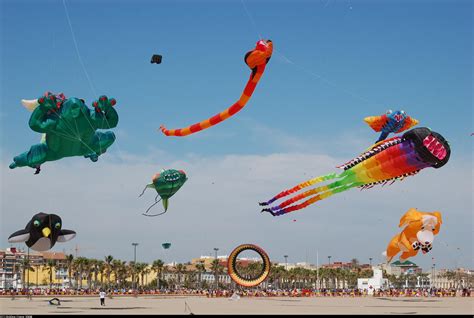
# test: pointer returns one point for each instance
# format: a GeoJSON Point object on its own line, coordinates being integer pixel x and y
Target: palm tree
{"type": "Point", "coordinates": [201, 268]}
{"type": "Point", "coordinates": [115, 269]}
{"type": "Point", "coordinates": [157, 266]}
{"type": "Point", "coordinates": [190, 278]}
{"type": "Point", "coordinates": [69, 262]}
{"type": "Point", "coordinates": [325, 276]}
{"type": "Point", "coordinates": [180, 269]}
{"type": "Point", "coordinates": [50, 265]}
{"type": "Point", "coordinates": [141, 267]}
{"type": "Point", "coordinates": [80, 265]}
{"type": "Point", "coordinates": [123, 271]}
{"type": "Point", "coordinates": [108, 267]}
{"type": "Point", "coordinates": [352, 279]}
{"type": "Point", "coordinates": [146, 272]}
{"type": "Point", "coordinates": [88, 269]}
{"type": "Point", "coordinates": [354, 263]}
{"type": "Point", "coordinates": [217, 269]}
{"type": "Point", "coordinates": [94, 271]}
{"type": "Point", "coordinates": [101, 270]}
{"type": "Point", "coordinates": [131, 270]}
{"type": "Point", "coordinates": [25, 266]}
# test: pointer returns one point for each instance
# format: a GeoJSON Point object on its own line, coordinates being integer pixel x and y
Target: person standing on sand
{"type": "Point", "coordinates": [102, 297]}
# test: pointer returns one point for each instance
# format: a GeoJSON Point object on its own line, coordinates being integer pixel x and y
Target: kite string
{"type": "Point", "coordinates": [251, 20]}
{"type": "Point", "coordinates": [323, 79]}
{"type": "Point", "coordinates": [143, 191]}
{"type": "Point", "coordinates": [77, 50]}
{"type": "Point", "coordinates": [304, 69]}
{"type": "Point", "coordinates": [87, 74]}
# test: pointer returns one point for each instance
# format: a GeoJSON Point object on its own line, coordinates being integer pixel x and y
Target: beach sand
{"type": "Point", "coordinates": [204, 305]}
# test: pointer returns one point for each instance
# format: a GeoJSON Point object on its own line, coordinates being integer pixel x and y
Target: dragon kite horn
{"type": "Point", "coordinates": [30, 104]}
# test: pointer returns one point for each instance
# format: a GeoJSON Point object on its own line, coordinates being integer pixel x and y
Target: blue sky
{"type": "Point", "coordinates": [335, 62]}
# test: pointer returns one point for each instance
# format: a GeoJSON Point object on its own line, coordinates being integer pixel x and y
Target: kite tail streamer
{"type": "Point", "coordinates": [256, 60]}
{"type": "Point", "coordinates": [156, 202]}
{"type": "Point", "coordinates": [165, 204]}
{"type": "Point", "coordinates": [300, 186]}
{"type": "Point", "coordinates": [143, 190]}
{"type": "Point", "coordinates": [319, 193]}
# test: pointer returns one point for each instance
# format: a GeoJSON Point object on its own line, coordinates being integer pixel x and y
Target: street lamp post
{"type": "Point", "coordinates": [134, 264]}
{"type": "Point", "coordinates": [370, 261]}
{"type": "Point", "coordinates": [215, 269]}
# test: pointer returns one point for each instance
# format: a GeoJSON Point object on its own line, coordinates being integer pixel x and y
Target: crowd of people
{"type": "Point", "coordinates": [211, 293]}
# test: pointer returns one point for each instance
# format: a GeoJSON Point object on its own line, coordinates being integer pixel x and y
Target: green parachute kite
{"type": "Point", "coordinates": [166, 183]}
{"type": "Point", "coordinates": [69, 129]}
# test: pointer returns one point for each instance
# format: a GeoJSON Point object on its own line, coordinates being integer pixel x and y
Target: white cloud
{"type": "Point", "coordinates": [218, 207]}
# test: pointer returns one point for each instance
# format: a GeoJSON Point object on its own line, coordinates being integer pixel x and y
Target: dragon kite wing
{"type": "Point", "coordinates": [376, 122]}
{"type": "Point", "coordinates": [409, 122]}
{"type": "Point", "coordinates": [256, 59]}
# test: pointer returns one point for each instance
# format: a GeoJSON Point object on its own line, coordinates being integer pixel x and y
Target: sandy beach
{"type": "Point", "coordinates": [202, 305]}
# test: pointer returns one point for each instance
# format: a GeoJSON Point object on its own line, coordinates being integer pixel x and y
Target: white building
{"type": "Point", "coordinates": [373, 283]}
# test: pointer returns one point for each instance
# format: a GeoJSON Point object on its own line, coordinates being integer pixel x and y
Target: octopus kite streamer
{"type": "Point", "coordinates": [387, 161]}
{"type": "Point", "coordinates": [256, 59]}
{"type": "Point", "coordinates": [166, 183]}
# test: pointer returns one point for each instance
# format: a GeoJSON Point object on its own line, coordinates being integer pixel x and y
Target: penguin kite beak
{"type": "Point", "coordinates": [46, 231]}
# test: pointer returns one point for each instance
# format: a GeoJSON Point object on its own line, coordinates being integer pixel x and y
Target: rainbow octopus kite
{"type": "Point", "coordinates": [390, 160]}
{"type": "Point", "coordinates": [69, 129]}
{"type": "Point", "coordinates": [391, 122]}
{"type": "Point", "coordinates": [256, 59]}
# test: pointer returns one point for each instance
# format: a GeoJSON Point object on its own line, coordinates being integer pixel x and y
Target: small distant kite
{"type": "Point", "coordinates": [391, 122]}
{"type": "Point", "coordinates": [42, 232]}
{"type": "Point", "coordinates": [390, 160]}
{"type": "Point", "coordinates": [247, 280]}
{"type": "Point", "coordinates": [256, 59]}
{"type": "Point", "coordinates": [166, 184]}
{"type": "Point", "coordinates": [418, 234]}
{"type": "Point", "coordinates": [166, 245]}
{"type": "Point", "coordinates": [156, 59]}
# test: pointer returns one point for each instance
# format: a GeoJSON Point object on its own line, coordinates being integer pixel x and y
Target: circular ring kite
{"type": "Point", "coordinates": [241, 279]}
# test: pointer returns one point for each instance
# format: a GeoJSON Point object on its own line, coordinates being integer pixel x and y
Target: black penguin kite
{"type": "Point", "coordinates": [42, 232]}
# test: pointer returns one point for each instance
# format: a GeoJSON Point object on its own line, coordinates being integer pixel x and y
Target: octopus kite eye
{"type": "Point", "coordinates": [36, 223]}
{"type": "Point", "coordinates": [57, 225]}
